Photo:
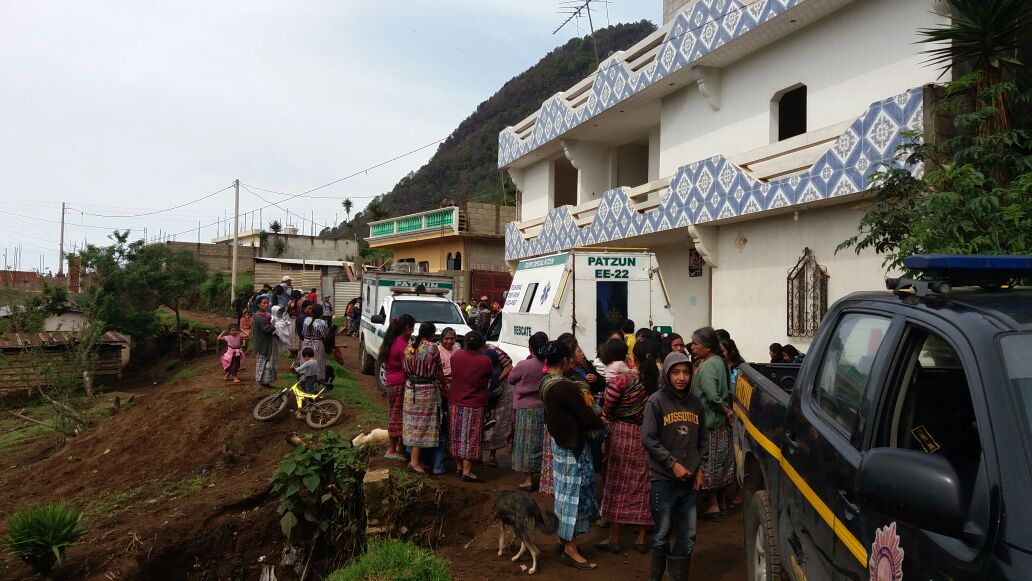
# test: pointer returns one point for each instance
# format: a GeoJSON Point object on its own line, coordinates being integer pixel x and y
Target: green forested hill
{"type": "Point", "coordinates": [466, 163]}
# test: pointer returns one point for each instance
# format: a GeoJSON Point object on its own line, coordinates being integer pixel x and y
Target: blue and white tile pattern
{"type": "Point", "coordinates": [699, 30]}
{"type": "Point", "coordinates": [716, 189]}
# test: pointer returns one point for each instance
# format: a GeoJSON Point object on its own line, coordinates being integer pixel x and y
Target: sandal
{"type": "Point", "coordinates": [394, 457]}
{"type": "Point", "coordinates": [609, 547]}
{"type": "Point", "coordinates": [469, 478]}
{"type": "Point", "coordinates": [526, 487]}
{"type": "Point", "coordinates": [493, 463]}
{"type": "Point", "coordinates": [409, 468]}
{"type": "Point", "coordinates": [568, 560]}
{"type": "Point", "coordinates": [642, 548]}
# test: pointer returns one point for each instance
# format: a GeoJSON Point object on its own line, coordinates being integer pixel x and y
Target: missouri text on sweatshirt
{"type": "Point", "coordinates": [673, 428]}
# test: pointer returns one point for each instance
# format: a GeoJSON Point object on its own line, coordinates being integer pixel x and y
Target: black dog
{"type": "Point", "coordinates": [519, 511]}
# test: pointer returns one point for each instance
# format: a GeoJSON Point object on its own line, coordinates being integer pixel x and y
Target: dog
{"type": "Point", "coordinates": [519, 511]}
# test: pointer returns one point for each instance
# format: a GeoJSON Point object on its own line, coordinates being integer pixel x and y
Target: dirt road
{"type": "Point", "coordinates": [472, 547]}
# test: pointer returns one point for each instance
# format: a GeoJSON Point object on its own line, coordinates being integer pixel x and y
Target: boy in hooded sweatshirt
{"type": "Point", "coordinates": [677, 445]}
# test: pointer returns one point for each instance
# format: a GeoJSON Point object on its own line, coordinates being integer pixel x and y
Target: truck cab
{"type": "Point", "coordinates": [386, 297]}
{"type": "Point", "coordinates": [900, 446]}
{"type": "Point", "coordinates": [586, 292]}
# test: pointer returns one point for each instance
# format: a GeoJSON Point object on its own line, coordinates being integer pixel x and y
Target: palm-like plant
{"type": "Point", "coordinates": [348, 204]}
{"type": "Point", "coordinates": [40, 535]}
{"type": "Point", "coordinates": [986, 36]}
{"type": "Point", "coordinates": [275, 226]}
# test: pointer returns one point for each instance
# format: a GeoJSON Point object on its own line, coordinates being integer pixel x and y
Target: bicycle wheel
{"type": "Point", "coordinates": [323, 413]}
{"type": "Point", "coordinates": [270, 407]}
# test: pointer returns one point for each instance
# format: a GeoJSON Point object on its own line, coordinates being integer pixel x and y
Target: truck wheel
{"type": "Point", "coordinates": [761, 545]}
{"type": "Point", "coordinates": [365, 360]}
{"type": "Point", "coordinates": [381, 377]}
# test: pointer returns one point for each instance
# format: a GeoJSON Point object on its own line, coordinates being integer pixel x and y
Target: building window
{"type": "Point", "coordinates": [807, 296]}
{"type": "Point", "coordinates": [789, 112]}
{"type": "Point", "coordinates": [565, 183]}
{"type": "Point", "coordinates": [424, 266]}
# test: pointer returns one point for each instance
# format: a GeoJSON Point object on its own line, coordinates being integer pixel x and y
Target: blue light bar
{"type": "Point", "coordinates": [1014, 266]}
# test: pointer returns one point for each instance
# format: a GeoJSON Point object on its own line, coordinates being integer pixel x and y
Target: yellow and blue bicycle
{"type": "Point", "coordinates": [318, 411]}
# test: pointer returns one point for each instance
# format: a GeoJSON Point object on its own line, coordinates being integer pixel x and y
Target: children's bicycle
{"type": "Point", "coordinates": [318, 411]}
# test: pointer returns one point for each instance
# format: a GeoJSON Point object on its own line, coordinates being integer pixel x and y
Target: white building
{"type": "Point", "coordinates": [735, 142]}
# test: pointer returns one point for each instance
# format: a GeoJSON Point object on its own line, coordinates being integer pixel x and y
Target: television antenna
{"type": "Point", "coordinates": [575, 9]}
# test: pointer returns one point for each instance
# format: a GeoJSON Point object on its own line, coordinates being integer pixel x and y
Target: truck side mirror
{"type": "Point", "coordinates": [377, 319]}
{"type": "Point", "coordinates": [916, 487]}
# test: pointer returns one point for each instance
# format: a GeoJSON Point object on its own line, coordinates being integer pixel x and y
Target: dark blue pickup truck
{"type": "Point", "coordinates": [902, 445]}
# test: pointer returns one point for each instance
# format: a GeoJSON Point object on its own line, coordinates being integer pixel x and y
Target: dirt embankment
{"type": "Point", "coordinates": [166, 485]}
{"type": "Point", "coordinates": [175, 487]}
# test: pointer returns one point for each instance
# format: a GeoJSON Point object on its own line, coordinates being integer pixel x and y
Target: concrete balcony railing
{"type": "Point", "coordinates": [817, 167]}
{"type": "Point", "coordinates": [433, 221]}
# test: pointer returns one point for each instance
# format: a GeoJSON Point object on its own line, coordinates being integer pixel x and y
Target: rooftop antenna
{"type": "Point", "coordinates": [574, 8]}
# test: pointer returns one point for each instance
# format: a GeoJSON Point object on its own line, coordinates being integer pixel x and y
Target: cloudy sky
{"type": "Point", "coordinates": [124, 108]}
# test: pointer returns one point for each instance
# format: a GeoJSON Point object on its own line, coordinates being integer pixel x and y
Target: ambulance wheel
{"type": "Point", "coordinates": [761, 545]}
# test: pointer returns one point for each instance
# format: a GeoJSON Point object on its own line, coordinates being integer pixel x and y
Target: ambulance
{"type": "Point", "coordinates": [587, 292]}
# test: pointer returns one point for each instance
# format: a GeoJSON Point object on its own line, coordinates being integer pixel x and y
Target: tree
{"type": "Point", "coordinates": [275, 226]}
{"type": "Point", "coordinates": [133, 279]}
{"type": "Point", "coordinates": [975, 195]}
{"type": "Point", "coordinates": [348, 204]}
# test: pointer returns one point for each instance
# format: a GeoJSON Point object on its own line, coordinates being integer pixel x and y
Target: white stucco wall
{"type": "Point", "coordinates": [538, 189]}
{"type": "Point", "coordinates": [847, 60]}
{"type": "Point", "coordinates": [749, 285]}
{"type": "Point", "coordinates": [689, 297]}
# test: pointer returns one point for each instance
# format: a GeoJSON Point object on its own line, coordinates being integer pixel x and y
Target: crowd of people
{"type": "Point", "coordinates": [650, 418]}
{"type": "Point", "coordinates": [276, 319]}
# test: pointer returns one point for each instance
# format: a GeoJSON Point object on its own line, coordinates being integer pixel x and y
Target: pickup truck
{"type": "Point", "coordinates": [424, 304]}
{"type": "Point", "coordinates": [900, 446]}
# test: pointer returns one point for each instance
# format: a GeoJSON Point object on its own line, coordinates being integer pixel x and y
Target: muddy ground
{"type": "Point", "coordinates": [175, 487]}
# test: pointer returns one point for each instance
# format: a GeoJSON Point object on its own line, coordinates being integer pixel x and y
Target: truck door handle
{"type": "Point", "coordinates": [790, 441]}
{"type": "Point", "coordinates": [847, 505]}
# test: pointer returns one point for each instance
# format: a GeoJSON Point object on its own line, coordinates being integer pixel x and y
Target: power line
{"type": "Point", "coordinates": [307, 197]}
{"type": "Point", "coordinates": [202, 198]}
{"type": "Point", "coordinates": [109, 229]}
{"type": "Point", "coordinates": [337, 181]}
{"type": "Point", "coordinates": [302, 218]}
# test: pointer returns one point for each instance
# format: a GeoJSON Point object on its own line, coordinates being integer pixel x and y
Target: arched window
{"type": "Point", "coordinates": [807, 296]}
{"type": "Point", "coordinates": [458, 261]}
{"type": "Point", "coordinates": [788, 113]}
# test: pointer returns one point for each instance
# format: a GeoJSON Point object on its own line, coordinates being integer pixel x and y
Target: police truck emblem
{"type": "Point", "coordinates": [886, 562]}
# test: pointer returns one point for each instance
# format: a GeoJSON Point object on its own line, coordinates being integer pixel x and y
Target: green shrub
{"type": "Point", "coordinates": [190, 349]}
{"type": "Point", "coordinates": [395, 560]}
{"type": "Point", "coordinates": [40, 535]}
{"type": "Point", "coordinates": [320, 490]}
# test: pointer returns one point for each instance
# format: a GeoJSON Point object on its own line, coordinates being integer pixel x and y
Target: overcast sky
{"type": "Point", "coordinates": [126, 107]}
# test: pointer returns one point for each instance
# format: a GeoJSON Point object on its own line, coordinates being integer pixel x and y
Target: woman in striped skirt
{"type": "Point", "coordinates": [421, 409]}
{"type": "Point", "coordinates": [527, 437]}
{"type": "Point", "coordinates": [570, 417]}
{"type": "Point", "coordinates": [467, 397]}
{"type": "Point", "coordinates": [625, 496]}
{"type": "Point", "coordinates": [392, 355]}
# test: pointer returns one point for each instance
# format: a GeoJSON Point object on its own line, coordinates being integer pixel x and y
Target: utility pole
{"type": "Point", "coordinates": [60, 257]}
{"type": "Point", "coordinates": [236, 238]}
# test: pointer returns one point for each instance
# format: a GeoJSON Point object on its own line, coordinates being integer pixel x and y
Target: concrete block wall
{"type": "Point", "coordinates": [311, 247]}
{"type": "Point", "coordinates": [488, 219]}
{"type": "Point", "coordinates": [219, 257]}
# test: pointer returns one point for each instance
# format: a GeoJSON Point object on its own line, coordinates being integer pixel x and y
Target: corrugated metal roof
{"type": "Point", "coordinates": [305, 262]}
{"type": "Point", "coordinates": [52, 339]}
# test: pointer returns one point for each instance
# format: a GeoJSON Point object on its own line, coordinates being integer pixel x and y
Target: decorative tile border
{"type": "Point", "coordinates": [716, 189]}
{"type": "Point", "coordinates": [701, 29]}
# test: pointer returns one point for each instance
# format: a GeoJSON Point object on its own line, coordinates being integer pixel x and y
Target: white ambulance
{"type": "Point", "coordinates": [585, 292]}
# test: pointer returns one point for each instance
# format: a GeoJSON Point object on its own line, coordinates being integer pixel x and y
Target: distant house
{"type": "Point", "coordinates": [467, 242]}
{"type": "Point", "coordinates": [26, 355]}
{"type": "Point", "coordinates": [333, 278]}
{"type": "Point", "coordinates": [69, 320]}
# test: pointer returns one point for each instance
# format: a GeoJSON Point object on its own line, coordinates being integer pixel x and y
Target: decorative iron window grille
{"type": "Point", "coordinates": [807, 296]}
